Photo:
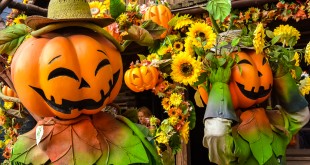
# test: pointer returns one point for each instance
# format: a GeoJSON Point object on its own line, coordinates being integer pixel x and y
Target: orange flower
{"type": "Point", "coordinates": [174, 111]}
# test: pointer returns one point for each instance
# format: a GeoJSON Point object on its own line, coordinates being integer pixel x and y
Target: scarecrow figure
{"type": "Point", "coordinates": [67, 73]}
{"type": "Point", "coordinates": [239, 129]}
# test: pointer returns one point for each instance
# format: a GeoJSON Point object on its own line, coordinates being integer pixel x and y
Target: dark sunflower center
{"type": "Point", "coordinates": [201, 35]}
{"type": "Point", "coordinates": [187, 69]}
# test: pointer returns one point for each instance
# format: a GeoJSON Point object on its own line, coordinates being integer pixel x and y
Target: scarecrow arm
{"type": "Point", "coordinates": [217, 138]}
{"type": "Point", "coordinates": [218, 118]}
{"type": "Point", "coordinates": [288, 94]}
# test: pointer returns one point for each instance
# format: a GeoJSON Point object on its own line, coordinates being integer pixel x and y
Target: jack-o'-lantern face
{"type": "Point", "coordinates": [253, 83]}
{"type": "Point", "coordinates": [67, 76]}
{"type": "Point", "coordinates": [141, 78]}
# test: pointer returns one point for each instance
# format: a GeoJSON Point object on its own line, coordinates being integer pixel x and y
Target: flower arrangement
{"type": "Point", "coordinates": [197, 53]}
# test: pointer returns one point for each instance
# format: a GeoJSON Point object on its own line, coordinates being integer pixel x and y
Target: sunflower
{"type": "Point", "coordinates": [161, 137]}
{"type": "Point", "coordinates": [25, 1]}
{"type": "Point", "coordinates": [185, 69]}
{"type": "Point", "coordinates": [189, 47]}
{"type": "Point", "coordinates": [259, 38]}
{"type": "Point", "coordinates": [20, 19]}
{"type": "Point", "coordinates": [202, 35]}
{"type": "Point", "coordinates": [184, 132]}
{"type": "Point", "coordinates": [304, 86]}
{"type": "Point", "coordinates": [178, 46]}
{"type": "Point", "coordinates": [175, 99]}
{"type": "Point", "coordinates": [174, 111]}
{"type": "Point", "coordinates": [97, 9]}
{"type": "Point", "coordinates": [173, 120]}
{"type": "Point", "coordinates": [166, 103]}
{"type": "Point", "coordinates": [307, 54]}
{"type": "Point", "coordinates": [286, 32]}
{"type": "Point", "coordinates": [183, 23]}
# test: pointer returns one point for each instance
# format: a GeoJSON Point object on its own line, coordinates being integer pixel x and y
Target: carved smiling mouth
{"type": "Point", "coordinates": [67, 105]}
{"type": "Point", "coordinates": [254, 95]}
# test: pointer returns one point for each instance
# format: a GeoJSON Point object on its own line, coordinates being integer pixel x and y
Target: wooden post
{"type": "Point", "coordinates": [183, 156]}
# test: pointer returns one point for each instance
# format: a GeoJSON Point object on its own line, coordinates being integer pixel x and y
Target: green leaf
{"type": "Point", "coordinates": [11, 37]}
{"type": "Point", "coordinates": [219, 9]}
{"type": "Point", "coordinates": [223, 43]}
{"type": "Point", "coordinates": [221, 61]}
{"type": "Point", "coordinates": [292, 41]}
{"type": "Point", "coordinates": [153, 28]}
{"type": "Point", "coordinates": [192, 117]}
{"type": "Point", "coordinates": [165, 67]}
{"type": "Point", "coordinates": [235, 41]}
{"type": "Point", "coordinates": [139, 35]}
{"type": "Point", "coordinates": [279, 144]}
{"type": "Point", "coordinates": [175, 143]}
{"type": "Point", "coordinates": [298, 72]}
{"type": "Point", "coordinates": [174, 20]}
{"type": "Point", "coordinates": [261, 149]}
{"type": "Point", "coordinates": [242, 148]}
{"type": "Point", "coordinates": [141, 57]}
{"type": "Point", "coordinates": [209, 56]}
{"type": "Point", "coordinates": [269, 33]}
{"type": "Point", "coordinates": [201, 79]}
{"type": "Point", "coordinates": [117, 7]}
{"type": "Point", "coordinates": [275, 39]}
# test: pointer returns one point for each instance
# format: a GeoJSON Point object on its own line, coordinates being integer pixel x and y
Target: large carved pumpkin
{"type": "Point", "coordinates": [67, 75]}
{"type": "Point", "coordinates": [161, 15]}
{"type": "Point", "coordinates": [251, 84]}
{"type": "Point", "coordinates": [141, 78]}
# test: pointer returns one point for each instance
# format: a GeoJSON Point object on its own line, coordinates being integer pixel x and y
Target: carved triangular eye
{"type": "Point", "coordinates": [135, 76]}
{"type": "Point", "coordinates": [153, 14]}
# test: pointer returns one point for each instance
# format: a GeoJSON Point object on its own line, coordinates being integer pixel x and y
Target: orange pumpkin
{"type": "Point", "coordinates": [161, 15]}
{"type": "Point", "coordinates": [141, 78]}
{"type": "Point", "coordinates": [252, 84]}
{"type": "Point", "coordinates": [67, 75]}
{"type": "Point", "coordinates": [8, 91]}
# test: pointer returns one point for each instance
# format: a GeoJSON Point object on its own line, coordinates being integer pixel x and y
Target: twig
{"type": "Point", "coordinates": [28, 8]}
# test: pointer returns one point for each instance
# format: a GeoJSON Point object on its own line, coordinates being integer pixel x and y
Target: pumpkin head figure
{"type": "Point", "coordinates": [66, 75]}
{"type": "Point", "coordinates": [251, 84]}
{"type": "Point", "coordinates": [161, 15]}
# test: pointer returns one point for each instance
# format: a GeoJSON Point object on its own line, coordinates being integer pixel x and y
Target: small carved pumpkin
{"type": "Point", "coordinates": [67, 75]}
{"type": "Point", "coordinates": [253, 83]}
{"type": "Point", "coordinates": [161, 15]}
{"type": "Point", "coordinates": [141, 78]}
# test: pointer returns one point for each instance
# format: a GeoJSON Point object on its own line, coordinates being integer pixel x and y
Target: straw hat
{"type": "Point", "coordinates": [66, 11]}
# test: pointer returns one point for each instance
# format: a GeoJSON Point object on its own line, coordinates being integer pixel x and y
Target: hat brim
{"type": "Point", "coordinates": [37, 22]}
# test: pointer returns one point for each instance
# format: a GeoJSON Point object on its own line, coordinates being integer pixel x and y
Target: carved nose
{"type": "Point", "coordinates": [260, 74]}
{"type": "Point", "coordinates": [84, 84]}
